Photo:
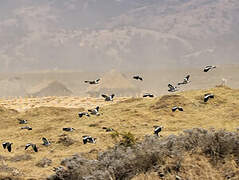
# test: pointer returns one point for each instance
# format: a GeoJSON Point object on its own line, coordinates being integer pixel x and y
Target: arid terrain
{"type": "Point", "coordinates": [47, 117]}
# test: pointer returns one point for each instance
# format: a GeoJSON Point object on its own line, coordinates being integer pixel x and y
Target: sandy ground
{"type": "Point", "coordinates": [135, 115]}
{"type": "Point", "coordinates": [23, 104]}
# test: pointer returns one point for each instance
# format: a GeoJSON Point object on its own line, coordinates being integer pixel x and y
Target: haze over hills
{"type": "Point", "coordinates": [99, 35]}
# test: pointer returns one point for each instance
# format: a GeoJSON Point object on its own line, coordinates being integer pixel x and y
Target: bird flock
{"type": "Point", "coordinates": [95, 112]}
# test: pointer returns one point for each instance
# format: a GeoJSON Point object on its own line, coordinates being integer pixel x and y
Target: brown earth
{"type": "Point", "coordinates": [135, 115]}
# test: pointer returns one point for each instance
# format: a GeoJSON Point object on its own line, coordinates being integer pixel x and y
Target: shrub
{"type": "Point", "coordinates": [165, 155]}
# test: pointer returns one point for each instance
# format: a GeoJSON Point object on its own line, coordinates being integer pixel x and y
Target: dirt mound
{"type": "Point", "coordinates": [49, 111]}
{"type": "Point", "coordinates": [54, 88]}
{"type": "Point", "coordinates": [7, 112]}
{"type": "Point", "coordinates": [114, 82]}
{"type": "Point", "coordinates": [168, 101]}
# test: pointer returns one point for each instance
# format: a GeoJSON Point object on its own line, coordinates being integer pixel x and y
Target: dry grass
{"type": "Point", "coordinates": [135, 115]}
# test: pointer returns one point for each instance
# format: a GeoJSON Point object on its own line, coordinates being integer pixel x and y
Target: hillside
{"type": "Point", "coordinates": [135, 115]}
{"type": "Point", "coordinates": [117, 34]}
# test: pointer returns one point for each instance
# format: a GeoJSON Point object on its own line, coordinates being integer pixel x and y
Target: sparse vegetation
{"type": "Point", "coordinates": [44, 162]}
{"type": "Point", "coordinates": [165, 156]}
{"type": "Point", "coordinates": [135, 117]}
{"type": "Point", "coordinates": [65, 140]}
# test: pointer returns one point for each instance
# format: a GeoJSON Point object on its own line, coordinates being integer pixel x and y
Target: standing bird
{"type": "Point", "coordinates": [81, 114]}
{"type": "Point", "coordinates": [148, 95]}
{"type": "Point", "coordinates": [138, 78]}
{"type": "Point", "coordinates": [207, 68]}
{"type": "Point", "coordinates": [7, 145]}
{"type": "Point", "coordinates": [93, 82]}
{"type": "Point", "coordinates": [45, 141]}
{"type": "Point", "coordinates": [172, 88]}
{"type": "Point", "coordinates": [208, 96]}
{"type": "Point", "coordinates": [94, 111]}
{"type": "Point", "coordinates": [108, 98]}
{"type": "Point", "coordinates": [177, 108]}
{"type": "Point", "coordinates": [34, 147]}
{"type": "Point", "coordinates": [22, 121]}
{"type": "Point", "coordinates": [185, 80]}
{"type": "Point", "coordinates": [157, 129]}
{"type": "Point", "coordinates": [88, 139]}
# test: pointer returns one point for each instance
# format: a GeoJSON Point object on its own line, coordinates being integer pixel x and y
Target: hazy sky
{"type": "Point", "coordinates": [121, 34]}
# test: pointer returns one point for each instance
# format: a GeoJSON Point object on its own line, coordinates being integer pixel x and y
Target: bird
{"type": "Point", "coordinates": [94, 111]}
{"type": "Point", "coordinates": [45, 141]}
{"type": "Point", "coordinates": [172, 88]}
{"type": "Point", "coordinates": [7, 145]}
{"type": "Point", "coordinates": [22, 121]}
{"type": "Point", "coordinates": [108, 129]}
{"type": "Point", "coordinates": [34, 147]}
{"type": "Point", "coordinates": [157, 129]}
{"type": "Point", "coordinates": [185, 80]}
{"type": "Point", "coordinates": [88, 139]}
{"type": "Point", "coordinates": [108, 98]}
{"type": "Point", "coordinates": [177, 108]}
{"type": "Point", "coordinates": [69, 129]}
{"type": "Point", "coordinates": [138, 78]}
{"type": "Point", "coordinates": [148, 95]}
{"type": "Point", "coordinates": [81, 114]}
{"type": "Point", "coordinates": [26, 127]}
{"type": "Point", "coordinates": [208, 96]}
{"type": "Point", "coordinates": [208, 68]}
{"type": "Point", "coordinates": [93, 82]}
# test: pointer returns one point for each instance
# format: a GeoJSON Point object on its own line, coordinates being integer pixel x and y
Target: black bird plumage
{"type": "Point", "coordinates": [34, 147]}
{"type": "Point", "coordinates": [108, 98]}
{"type": "Point", "coordinates": [208, 68]}
{"type": "Point", "coordinates": [208, 96]}
{"type": "Point", "coordinates": [7, 145]}
{"type": "Point", "coordinates": [177, 108]}
{"type": "Point", "coordinates": [157, 129]}
{"type": "Point", "coordinates": [138, 78]}
{"type": "Point", "coordinates": [148, 95]}
{"type": "Point", "coordinates": [88, 139]}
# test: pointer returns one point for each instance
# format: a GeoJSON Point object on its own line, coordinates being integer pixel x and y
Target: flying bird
{"type": "Point", "coordinates": [172, 88]}
{"type": "Point", "coordinates": [94, 111]}
{"type": "Point", "coordinates": [81, 114]}
{"type": "Point", "coordinates": [70, 129]}
{"type": "Point", "coordinates": [157, 129]}
{"type": "Point", "coordinates": [185, 80]}
{"type": "Point", "coordinates": [22, 121]}
{"type": "Point", "coordinates": [93, 82]}
{"type": "Point", "coordinates": [34, 147]}
{"type": "Point", "coordinates": [108, 98]}
{"type": "Point", "coordinates": [208, 68]}
{"type": "Point", "coordinates": [45, 141]}
{"type": "Point", "coordinates": [177, 108]}
{"type": "Point", "coordinates": [148, 95]}
{"type": "Point", "coordinates": [138, 78]}
{"type": "Point", "coordinates": [26, 127]}
{"type": "Point", "coordinates": [7, 145]}
{"type": "Point", "coordinates": [208, 96]}
{"type": "Point", "coordinates": [88, 139]}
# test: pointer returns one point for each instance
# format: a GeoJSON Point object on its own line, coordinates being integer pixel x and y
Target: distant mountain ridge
{"type": "Point", "coordinates": [120, 34]}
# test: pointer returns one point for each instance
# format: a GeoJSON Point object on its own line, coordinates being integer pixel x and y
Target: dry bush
{"type": "Point", "coordinates": [44, 162]}
{"type": "Point", "coordinates": [65, 140]}
{"type": "Point", "coordinates": [17, 158]}
{"type": "Point", "coordinates": [125, 138]}
{"type": "Point", "coordinates": [163, 155]}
